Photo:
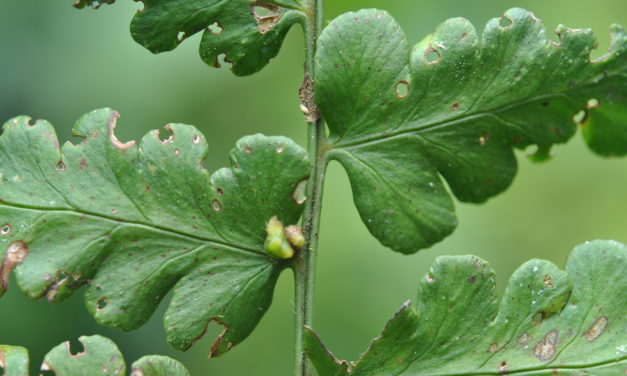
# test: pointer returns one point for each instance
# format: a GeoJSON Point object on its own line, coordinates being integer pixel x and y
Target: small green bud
{"type": "Point", "coordinates": [295, 236]}
{"type": "Point", "coordinates": [276, 244]}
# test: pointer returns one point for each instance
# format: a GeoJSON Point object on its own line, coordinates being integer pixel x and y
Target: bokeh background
{"type": "Point", "coordinates": [57, 63]}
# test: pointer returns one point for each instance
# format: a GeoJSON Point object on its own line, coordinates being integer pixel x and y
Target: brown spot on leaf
{"type": "Point", "coordinates": [548, 281]}
{"type": "Point", "coordinates": [503, 367]}
{"type": "Point", "coordinates": [596, 329]}
{"type": "Point", "coordinates": [538, 318]}
{"type": "Point", "coordinates": [523, 339]}
{"type": "Point", "coordinates": [15, 254]}
{"type": "Point", "coordinates": [83, 164]}
{"type": "Point", "coordinates": [493, 347]}
{"type": "Point", "coordinates": [547, 347]}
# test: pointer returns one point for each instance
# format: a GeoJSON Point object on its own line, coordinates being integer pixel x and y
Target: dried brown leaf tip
{"type": "Point", "coordinates": [15, 254]}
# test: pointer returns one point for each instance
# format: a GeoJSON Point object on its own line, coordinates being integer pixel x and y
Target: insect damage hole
{"type": "Point", "coordinates": [75, 348]}
{"type": "Point", "coordinates": [216, 205]}
{"type": "Point", "coordinates": [592, 103]}
{"type": "Point", "coordinates": [432, 56]}
{"type": "Point", "coordinates": [6, 229]}
{"type": "Point", "coordinates": [266, 15]}
{"type": "Point", "coordinates": [503, 367]}
{"type": "Point", "coordinates": [164, 138]}
{"type": "Point", "coordinates": [401, 89]}
{"type": "Point", "coordinates": [215, 28]}
{"type": "Point", "coordinates": [47, 371]}
{"type": "Point", "coordinates": [505, 22]}
{"type": "Point", "coordinates": [60, 166]}
{"type": "Point", "coordinates": [102, 303]}
{"type": "Point", "coordinates": [222, 60]}
{"type": "Point", "coordinates": [580, 117]}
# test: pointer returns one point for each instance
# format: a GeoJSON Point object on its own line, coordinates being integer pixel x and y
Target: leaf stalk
{"type": "Point", "coordinates": [304, 264]}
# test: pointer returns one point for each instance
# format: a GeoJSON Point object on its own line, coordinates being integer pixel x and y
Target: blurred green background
{"type": "Point", "coordinates": [57, 63]}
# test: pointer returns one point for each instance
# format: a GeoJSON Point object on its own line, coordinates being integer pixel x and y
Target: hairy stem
{"type": "Point", "coordinates": [305, 263]}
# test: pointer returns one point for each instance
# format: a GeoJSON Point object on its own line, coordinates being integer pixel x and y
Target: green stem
{"type": "Point", "coordinates": [305, 263]}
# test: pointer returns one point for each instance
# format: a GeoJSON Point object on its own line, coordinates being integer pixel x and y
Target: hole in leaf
{"type": "Point", "coordinates": [215, 28]}
{"type": "Point", "coordinates": [5, 229]}
{"type": "Point", "coordinates": [102, 303]}
{"type": "Point", "coordinates": [600, 51]}
{"type": "Point", "coordinates": [60, 166]}
{"type": "Point", "coordinates": [503, 367]}
{"type": "Point", "coordinates": [177, 152]}
{"type": "Point", "coordinates": [592, 103]}
{"type": "Point", "coordinates": [432, 56]}
{"type": "Point", "coordinates": [401, 89]}
{"type": "Point", "coordinates": [196, 139]}
{"type": "Point", "coordinates": [220, 191]}
{"type": "Point", "coordinates": [216, 205]}
{"type": "Point", "coordinates": [580, 117]}
{"type": "Point", "coordinates": [483, 139]}
{"type": "Point", "coordinates": [220, 60]}
{"type": "Point", "coordinates": [262, 10]}
{"type": "Point", "coordinates": [554, 38]}
{"type": "Point", "coordinates": [267, 15]}
{"type": "Point", "coordinates": [464, 36]}
{"type": "Point", "coordinates": [505, 22]}
{"type": "Point", "coordinates": [76, 347]}
{"type": "Point", "coordinates": [164, 136]}
{"type": "Point", "coordinates": [280, 148]}
{"type": "Point", "coordinates": [180, 36]}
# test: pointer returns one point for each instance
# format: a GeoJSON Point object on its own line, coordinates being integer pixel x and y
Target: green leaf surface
{"type": "Point", "coordinates": [13, 361]}
{"type": "Point", "coordinates": [158, 365]}
{"type": "Point", "coordinates": [132, 221]}
{"type": "Point", "coordinates": [549, 322]}
{"type": "Point", "coordinates": [455, 106]}
{"type": "Point", "coordinates": [100, 356]}
{"type": "Point", "coordinates": [247, 32]}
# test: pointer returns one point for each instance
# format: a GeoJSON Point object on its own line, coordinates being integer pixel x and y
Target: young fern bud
{"type": "Point", "coordinates": [277, 245]}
